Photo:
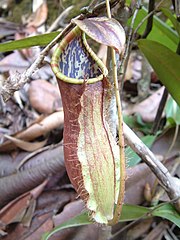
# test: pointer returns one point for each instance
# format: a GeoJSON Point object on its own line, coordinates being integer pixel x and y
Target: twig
{"type": "Point", "coordinates": [177, 9]}
{"type": "Point", "coordinates": [127, 49]}
{"type": "Point", "coordinates": [150, 19]}
{"type": "Point", "coordinates": [59, 19]}
{"type": "Point", "coordinates": [131, 37]}
{"type": "Point", "coordinates": [92, 5]}
{"type": "Point", "coordinates": [145, 18]}
{"type": "Point", "coordinates": [160, 110]}
{"type": "Point", "coordinates": [120, 200]}
{"type": "Point", "coordinates": [169, 183]}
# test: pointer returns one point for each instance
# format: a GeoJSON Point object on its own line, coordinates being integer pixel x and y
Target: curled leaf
{"type": "Point", "coordinates": [104, 30]}
{"type": "Point", "coordinates": [27, 146]}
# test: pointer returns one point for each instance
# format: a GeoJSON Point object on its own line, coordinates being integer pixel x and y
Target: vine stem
{"type": "Point", "coordinates": [123, 65]}
{"type": "Point", "coordinates": [120, 200]}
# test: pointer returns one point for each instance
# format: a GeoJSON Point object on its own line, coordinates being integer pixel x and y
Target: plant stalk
{"type": "Point", "coordinates": [118, 208]}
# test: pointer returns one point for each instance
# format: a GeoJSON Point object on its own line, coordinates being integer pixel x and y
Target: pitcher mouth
{"type": "Point", "coordinates": [59, 50]}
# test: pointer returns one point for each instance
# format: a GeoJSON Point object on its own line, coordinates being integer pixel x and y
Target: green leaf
{"type": "Point", "coordinates": [129, 213]}
{"type": "Point", "coordinates": [169, 212]}
{"type": "Point", "coordinates": [173, 20]}
{"type": "Point", "coordinates": [172, 111]}
{"type": "Point", "coordinates": [160, 32]}
{"type": "Point", "coordinates": [165, 63]}
{"type": "Point", "coordinates": [136, 122]}
{"type": "Point", "coordinates": [39, 40]}
{"type": "Point", "coordinates": [133, 158]}
{"type": "Point", "coordinates": [79, 220]}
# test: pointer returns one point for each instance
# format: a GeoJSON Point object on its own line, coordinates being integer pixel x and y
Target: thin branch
{"type": "Point", "coordinates": [169, 183]}
{"type": "Point", "coordinates": [150, 19]}
{"type": "Point", "coordinates": [145, 18]}
{"type": "Point", "coordinates": [160, 110]}
{"type": "Point", "coordinates": [127, 49]}
{"type": "Point", "coordinates": [177, 9]}
{"type": "Point", "coordinates": [59, 20]}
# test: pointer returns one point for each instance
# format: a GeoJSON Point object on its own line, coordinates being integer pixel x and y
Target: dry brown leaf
{"type": "Point", "coordinates": [22, 208]}
{"type": "Point", "coordinates": [158, 232]}
{"type": "Point", "coordinates": [45, 225]}
{"type": "Point", "coordinates": [38, 190]}
{"type": "Point", "coordinates": [137, 177]}
{"type": "Point", "coordinates": [35, 193]}
{"type": "Point", "coordinates": [27, 146]}
{"type": "Point", "coordinates": [70, 210]}
{"type": "Point", "coordinates": [47, 203]}
{"type": "Point", "coordinates": [53, 121]}
{"type": "Point", "coordinates": [147, 108]}
{"type": "Point", "coordinates": [138, 230]}
{"type": "Point", "coordinates": [11, 62]}
{"type": "Point", "coordinates": [163, 143]}
{"type": "Point", "coordinates": [44, 97]}
{"type": "Point", "coordinates": [15, 210]}
{"type": "Point", "coordinates": [27, 218]}
{"type": "Point", "coordinates": [40, 16]}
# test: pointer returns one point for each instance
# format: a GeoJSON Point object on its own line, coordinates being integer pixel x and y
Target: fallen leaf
{"type": "Point", "coordinates": [40, 16]}
{"type": "Point", "coordinates": [139, 229]}
{"type": "Point", "coordinates": [39, 225]}
{"type": "Point", "coordinates": [158, 232]}
{"type": "Point", "coordinates": [27, 218]}
{"type": "Point", "coordinates": [70, 210]}
{"type": "Point", "coordinates": [11, 62]}
{"type": "Point", "coordinates": [47, 203]}
{"type": "Point", "coordinates": [147, 108]}
{"type": "Point", "coordinates": [27, 146]}
{"type": "Point", "coordinates": [15, 210]}
{"type": "Point", "coordinates": [163, 143]}
{"type": "Point", "coordinates": [137, 177]}
{"type": "Point", "coordinates": [53, 121]}
{"type": "Point", "coordinates": [44, 97]}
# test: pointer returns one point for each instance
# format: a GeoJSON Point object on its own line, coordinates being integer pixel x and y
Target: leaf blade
{"type": "Point", "coordinates": [39, 40]}
{"type": "Point", "coordinates": [168, 211]}
{"type": "Point", "coordinates": [165, 63]}
{"type": "Point", "coordinates": [129, 213]}
{"type": "Point", "coordinates": [160, 32]}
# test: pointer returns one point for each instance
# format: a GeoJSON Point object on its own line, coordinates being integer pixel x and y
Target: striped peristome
{"type": "Point", "coordinates": [99, 70]}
